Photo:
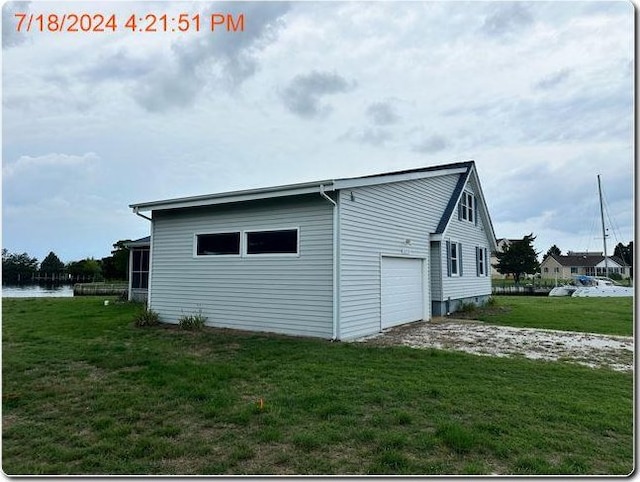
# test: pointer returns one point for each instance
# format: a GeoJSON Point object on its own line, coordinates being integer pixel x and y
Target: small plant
{"type": "Point", "coordinates": [192, 322]}
{"type": "Point", "coordinates": [491, 302]}
{"type": "Point", "coordinates": [146, 317]}
{"type": "Point", "coordinates": [467, 307]}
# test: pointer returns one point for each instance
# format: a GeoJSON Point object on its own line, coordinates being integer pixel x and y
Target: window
{"type": "Point", "coordinates": [574, 270]}
{"type": "Point", "coordinates": [140, 268]}
{"type": "Point", "coordinates": [546, 270]}
{"type": "Point", "coordinates": [481, 262]}
{"type": "Point", "coordinates": [467, 207]}
{"type": "Point", "coordinates": [218, 244]}
{"type": "Point", "coordinates": [281, 241]}
{"type": "Point", "coordinates": [454, 258]}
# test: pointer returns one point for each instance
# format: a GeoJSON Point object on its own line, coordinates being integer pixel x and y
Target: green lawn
{"type": "Point", "coordinates": [610, 316]}
{"type": "Point", "coordinates": [86, 392]}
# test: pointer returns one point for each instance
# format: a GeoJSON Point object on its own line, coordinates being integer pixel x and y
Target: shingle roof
{"type": "Point", "coordinates": [587, 261]}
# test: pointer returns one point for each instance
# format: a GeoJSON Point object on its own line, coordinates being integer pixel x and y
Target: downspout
{"type": "Point", "coordinates": [335, 263]}
{"type": "Point", "coordinates": [135, 210]}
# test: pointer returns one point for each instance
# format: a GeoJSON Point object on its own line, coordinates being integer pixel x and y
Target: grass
{"type": "Point", "coordinates": [609, 316]}
{"type": "Point", "coordinates": [87, 392]}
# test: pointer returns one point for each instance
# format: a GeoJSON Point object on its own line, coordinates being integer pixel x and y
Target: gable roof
{"type": "Point", "coordinates": [466, 170]}
{"type": "Point", "coordinates": [470, 176]}
{"type": "Point", "coordinates": [583, 260]}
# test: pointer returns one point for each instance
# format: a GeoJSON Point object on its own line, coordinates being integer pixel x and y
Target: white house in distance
{"type": "Point", "coordinates": [590, 263]}
{"type": "Point", "coordinates": [335, 259]}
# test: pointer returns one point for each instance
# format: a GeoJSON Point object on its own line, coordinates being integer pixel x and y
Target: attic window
{"type": "Point", "coordinates": [282, 241]}
{"type": "Point", "coordinates": [218, 244]}
{"type": "Point", "coordinates": [467, 207]}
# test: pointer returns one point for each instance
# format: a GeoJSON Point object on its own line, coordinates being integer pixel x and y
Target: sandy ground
{"type": "Point", "coordinates": [593, 350]}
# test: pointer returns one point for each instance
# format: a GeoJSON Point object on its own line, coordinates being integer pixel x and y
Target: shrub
{"type": "Point", "coordinates": [192, 322]}
{"type": "Point", "coordinates": [146, 318]}
{"type": "Point", "coordinates": [492, 301]}
{"type": "Point", "coordinates": [467, 307]}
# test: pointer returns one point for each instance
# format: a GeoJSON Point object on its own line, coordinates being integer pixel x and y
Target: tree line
{"type": "Point", "coordinates": [22, 268]}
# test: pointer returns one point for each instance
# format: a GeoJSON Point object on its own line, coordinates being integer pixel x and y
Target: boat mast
{"type": "Point", "coordinates": [604, 234]}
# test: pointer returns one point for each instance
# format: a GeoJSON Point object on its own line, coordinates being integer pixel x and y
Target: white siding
{"type": "Point", "coordinates": [469, 235]}
{"type": "Point", "coordinates": [282, 294]}
{"type": "Point", "coordinates": [378, 221]}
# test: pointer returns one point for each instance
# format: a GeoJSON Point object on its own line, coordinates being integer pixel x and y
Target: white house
{"type": "Point", "coordinates": [336, 259]}
{"type": "Point", "coordinates": [590, 263]}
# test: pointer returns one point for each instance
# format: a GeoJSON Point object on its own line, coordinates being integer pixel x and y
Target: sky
{"type": "Point", "coordinates": [540, 94]}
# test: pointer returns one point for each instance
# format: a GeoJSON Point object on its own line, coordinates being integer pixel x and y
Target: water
{"type": "Point", "coordinates": [37, 291]}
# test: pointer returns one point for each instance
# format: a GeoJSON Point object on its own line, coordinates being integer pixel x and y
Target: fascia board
{"type": "Point", "coordinates": [233, 197]}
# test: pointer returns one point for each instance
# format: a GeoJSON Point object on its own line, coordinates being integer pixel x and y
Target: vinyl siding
{"type": "Point", "coordinates": [283, 294]}
{"type": "Point", "coordinates": [378, 222]}
{"type": "Point", "coordinates": [469, 235]}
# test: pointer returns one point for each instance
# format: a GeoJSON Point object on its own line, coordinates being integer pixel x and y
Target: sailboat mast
{"type": "Point", "coordinates": [604, 234]}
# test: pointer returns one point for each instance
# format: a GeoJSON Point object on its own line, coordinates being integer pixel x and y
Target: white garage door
{"type": "Point", "coordinates": [401, 291]}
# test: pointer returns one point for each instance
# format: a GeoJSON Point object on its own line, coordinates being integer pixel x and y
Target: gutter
{"type": "Point", "coordinates": [135, 211]}
{"type": "Point", "coordinates": [336, 293]}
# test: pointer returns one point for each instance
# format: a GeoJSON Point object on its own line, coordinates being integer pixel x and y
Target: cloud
{"type": "Point", "coordinates": [375, 136]}
{"type": "Point", "coordinates": [226, 58]}
{"type": "Point", "coordinates": [430, 144]}
{"type": "Point", "coordinates": [10, 35]}
{"type": "Point", "coordinates": [382, 113]}
{"type": "Point", "coordinates": [552, 80]}
{"type": "Point", "coordinates": [506, 18]}
{"type": "Point", "coordinates": [304, 93]}
{"type": "Point", "coordinates": [31, 179]}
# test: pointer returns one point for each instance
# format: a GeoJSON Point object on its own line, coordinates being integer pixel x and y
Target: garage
{"type": "Point", "coordinates": [401, 286]}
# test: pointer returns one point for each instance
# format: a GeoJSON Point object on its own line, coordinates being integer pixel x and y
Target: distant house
{"type": "Point", "coordinates": [336, 259]}
{"type": "Point", "coordinates": [139, 268]}
{"type": "Point", "coordinates": [588, 263]}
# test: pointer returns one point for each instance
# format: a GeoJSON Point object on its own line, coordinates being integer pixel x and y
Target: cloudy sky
{"type": "Point", "coordinates": [539, 94]}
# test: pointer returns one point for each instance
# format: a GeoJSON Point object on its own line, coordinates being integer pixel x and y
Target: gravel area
{"type": "Point", "coordinates": [590, 349]}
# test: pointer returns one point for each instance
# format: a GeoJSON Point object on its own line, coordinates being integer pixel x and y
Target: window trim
{"type": "Point", "coordinates": [470, 209]}
{"type": "Point", "coordinates": [204, 233]}
{"type": "Point", "coordinates": [245, 243]}
{"type": "Point", "coordinates": [458, 258]}
{"type": "Point", "coordinates": [482, 266]}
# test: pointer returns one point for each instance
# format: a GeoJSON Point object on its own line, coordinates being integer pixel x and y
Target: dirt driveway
{"type": "Point", "coordinates": [593, 350]}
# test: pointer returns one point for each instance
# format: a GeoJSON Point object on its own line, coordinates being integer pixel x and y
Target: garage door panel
{"type": "Point", "coordinates": [401, 291]}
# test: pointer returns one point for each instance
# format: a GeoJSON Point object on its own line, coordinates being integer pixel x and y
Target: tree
{"type": "Point", "coordinates": [552, 250]}
{"type": "Point", "coordinates": [518, 258]}
{"type": "Point", "coordinates": [17, 268]}
{"type": "Point", "coordinates": [88, 268]}
{"type": "Point", "coordinates": [51, 265]}
{"type": "Point", "coordinates": [625, 253]}
{"type": "Point", "coordinates": [116, 266]}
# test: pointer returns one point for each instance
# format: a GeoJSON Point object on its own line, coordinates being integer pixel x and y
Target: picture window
{"type": "Point", "coordinates": [218, 244]}
{"type": "Point", "coordinates": [283, 241]}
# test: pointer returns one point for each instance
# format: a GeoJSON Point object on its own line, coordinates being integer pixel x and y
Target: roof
{"type": "Point", "coordinates": [139, 243]}
{"type": "Point", "coordinates": [584, 260]}
{"type": "Point", "coordinates": [303, 188]}
{"type": "Point", "coordinates": [466, 170]}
